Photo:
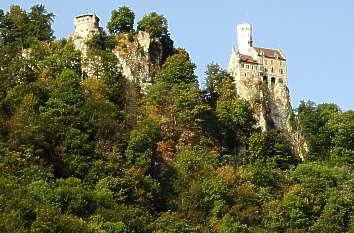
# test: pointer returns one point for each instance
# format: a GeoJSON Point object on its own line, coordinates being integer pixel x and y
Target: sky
{"type": "Point", "coordinates": [316, 36]}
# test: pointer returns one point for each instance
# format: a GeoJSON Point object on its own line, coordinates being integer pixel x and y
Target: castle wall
{"type": "Point", "coordinates": [86, 25]}
{"type": "Point", "coordinates": [261, 77]}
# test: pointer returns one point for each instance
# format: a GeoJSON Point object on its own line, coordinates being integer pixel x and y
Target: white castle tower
{"type": "Point", "coordinates": [261, 76]}
{"type": "Point", "coordinates": [244, 38]}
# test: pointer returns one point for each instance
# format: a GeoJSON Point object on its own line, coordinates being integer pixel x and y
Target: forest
{"type": "Point", "coordinates": [100, 155]}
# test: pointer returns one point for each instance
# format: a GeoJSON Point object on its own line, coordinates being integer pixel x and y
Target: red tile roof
{"type": "Point", "coordinates": [270, 53]}
{"type": "Point", "coordinates": [248, 59]}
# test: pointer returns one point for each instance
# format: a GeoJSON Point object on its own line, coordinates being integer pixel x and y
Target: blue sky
{"type": "Point", "coordinates": [317, 36]}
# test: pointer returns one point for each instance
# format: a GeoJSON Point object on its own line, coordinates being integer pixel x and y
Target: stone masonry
{"type": "Point", "coordinates": [261, 77]}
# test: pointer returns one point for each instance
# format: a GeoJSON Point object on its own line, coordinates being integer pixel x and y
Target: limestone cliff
{"type": "Point", "coordinates": [261, 77]}
{"type": "Point", "coordinates": [140, 57]}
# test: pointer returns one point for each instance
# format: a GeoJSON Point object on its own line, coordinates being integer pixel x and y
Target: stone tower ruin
{"type": "Point", "coordinates": [86, 26]}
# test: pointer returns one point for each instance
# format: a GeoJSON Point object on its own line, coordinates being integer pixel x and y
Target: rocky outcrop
{"type": "Point", "coordinates": [140, 57]}
{"type": "Point", "coordinates": [272, 109]}
{"type": "Point", "coordinates": [271, 103]}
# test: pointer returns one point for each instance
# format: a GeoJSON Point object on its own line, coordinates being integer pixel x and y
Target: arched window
{"type": "Point", "coordinates": [272, 80]}
{"type": "Point", "coordinates": [280, 80]}
{"type": "Point", "coordinates": [265, 79]}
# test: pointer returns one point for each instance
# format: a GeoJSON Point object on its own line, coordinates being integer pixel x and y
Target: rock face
{"type": "Point", "coordinates": [261, 78]}
{"type": "Point", "coordinates": [140, 57]}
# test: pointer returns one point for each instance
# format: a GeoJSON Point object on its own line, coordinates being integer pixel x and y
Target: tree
{"type": "Point", "coordinates": [312, 120]}
{"type": "Point", "coordinates": [41, 23]}
{"type": "Point", "coordinates": [156, 25]}
{"type": "Point", "coordinates": [229, 225]}
{"type": "Point", "coordinates": [177, 69]}
{"type": "Point", "coordinates": [341, 131]}
{"type": "Point", "coordinates": [21, 28]}
{"type": "Point", "coordinates": [271, 147]}
{"type": "Point", "coordinates": [235, 119]}
{"type": "Point", "coordinates": [170, 222]}
{"type": "Point", "coordinates": [215, 80]}
{"type": "Point", "coordinates": [122, 20]}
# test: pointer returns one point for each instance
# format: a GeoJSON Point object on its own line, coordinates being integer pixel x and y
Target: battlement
{"type": "Point", "coordinates": [86, 25]}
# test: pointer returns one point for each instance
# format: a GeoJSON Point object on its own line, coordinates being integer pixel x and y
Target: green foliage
{"type": "Point", "coordinates": [142, 143]}
{"type": "Point", "coordinates": [93, 154]}
{"type": "Point", "coordinates": [122, 20]}
{"type": "Point", "coordinates": [216, 78]}
{"type": "Point", "coordinates": [101, 42]}
{"type": "Point", "coordinates": [341, 129]}
{"type": "Point", "coordinates": [229, 225]}
{"type": "Point", "coordinates": [155, 24]}
{"type": "Point", "coordinates": [312, 120]}
{"type": "Point", "coordinates": [177, 69]}
{"type": "Point", "coordinates": [271, 147]}
{"type": "Point", "coordinates": [21, 28]}
{"type": "Point", "coordinates": [170, 222]}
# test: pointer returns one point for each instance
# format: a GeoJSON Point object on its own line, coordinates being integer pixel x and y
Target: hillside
{"type": "Point", "coordinates": [119, 138]}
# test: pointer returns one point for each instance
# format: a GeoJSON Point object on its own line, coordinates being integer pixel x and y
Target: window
{"type": "Point", "coordinates": [272, 69]}
{"type": "Point", "coordinates": [245, 74]}
{"type": "Point", "coordinates": [281, 71]}
{"type": "Point", "coordinates": [247, 66]}
{"type": "Point", "coordinates": [272, 80]}
{"type": "Point", "coordinates": [280, 80]}
{"type": "Point", "coordinates": [265, 79]}
{"type": "Point", "coordinates": [243, 65]}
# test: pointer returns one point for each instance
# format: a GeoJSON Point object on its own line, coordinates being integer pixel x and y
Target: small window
{"type": "Point", "coordinates": [281, 71]}
{"type": "Point", "coordinates": [245, 74]}
{"type": "Point", "coordinates": [272, 69]}
{"type": "Point", "coordinates": [247, 66]}
{"type": "Point", "coordinates": [280, 80]}
{"type": "Point", "coordinates": [265, 79]}
{"type": "Point", "coordinates": [243, 65]}
{"type": "Point", "coordinates": [272, 80]}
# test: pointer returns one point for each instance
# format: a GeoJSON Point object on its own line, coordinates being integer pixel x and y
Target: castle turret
{"type": "Point", "coordinates": [244, 38]}
{"type": "Point", "coordinates": [86, 25]}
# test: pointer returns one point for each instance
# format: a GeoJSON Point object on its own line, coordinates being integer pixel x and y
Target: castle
{"type": "Point", "coordinates": [85, 27]}
{"type": "Point", "coordinates": [261, 77]}
{"type": "Point", "coordinates": [260, 74]}
{"type": "Point", "coordinates": [139, 57]}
